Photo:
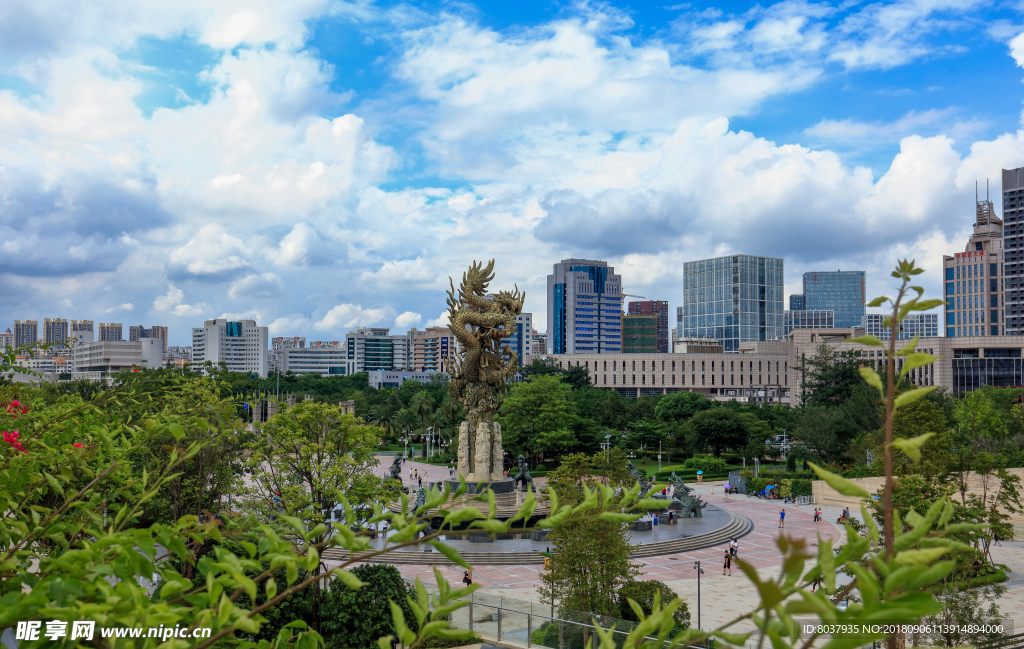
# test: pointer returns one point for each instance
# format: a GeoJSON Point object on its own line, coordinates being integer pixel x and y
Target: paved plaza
{"type": "Point", "coordinates": [722, 597]}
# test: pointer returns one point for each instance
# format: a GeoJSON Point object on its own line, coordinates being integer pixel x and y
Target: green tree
{"type": "Point", "coordinates": [590, 561]}
{"type": "Point", "coordinates": [355, 619]}
{"type": "Point", "coordinates": [643, 593]}
{"type": "Point", "coordinates": [829, 377]}
{"type": "Point", "coordinates": [207, 477]}
{"type": "Point", "coordinates": [306, 461]}
{"type": "Point", "coordinates": [537, 417]}
{"type": "Point", "coordinates": [680, 406]}
{"type": "Point", "coordinates": [385, 416]}
{"type": "Point", "coordinates": [422, 406]}
{"type": "Point", "coordinates": [717, 430]}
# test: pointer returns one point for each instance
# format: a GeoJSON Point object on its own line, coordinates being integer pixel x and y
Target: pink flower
{"type": "Point", "coordinates": [78, 445]}
{"type": "Point", "coordinates": [13, 406]}
{"type": "Point", "coordinates": [12, 439]}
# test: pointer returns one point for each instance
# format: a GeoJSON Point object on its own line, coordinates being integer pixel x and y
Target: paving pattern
{"type": "Point", "coordinates": [722, 598]}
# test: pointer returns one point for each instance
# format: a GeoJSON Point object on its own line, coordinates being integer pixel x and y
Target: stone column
{"type": "Point", "coordinates": [465, 467]}
{"type": "Point", "coordinates": [482, 460]}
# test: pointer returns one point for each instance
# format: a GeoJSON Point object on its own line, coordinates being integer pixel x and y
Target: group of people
{"type": "Point", "coordinates": [731, 552]}
{"type": "Point", "coordinates": [383, 529]}
{"type": "Point", "coordinates": [671, 519]}
{"type": "Point", "coordinates": [414, 474]}
{"type": "Point", "coordinates": [817, 514]}
{"type": "Point", "coordinates": [844, 515]}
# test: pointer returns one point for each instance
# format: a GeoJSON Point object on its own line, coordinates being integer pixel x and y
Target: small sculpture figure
{"type": "Point", "coordinates": [421, 499]}
{"type": "Point", "coordinates": [524, 472]}
{"type": "Point", "coordinates": [678, 485]}
{"type": "Point", "coordinates": [395, 470]}
{"type": "Point", "coordinates": [640, 477]}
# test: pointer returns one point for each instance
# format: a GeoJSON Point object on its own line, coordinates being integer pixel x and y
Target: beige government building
{"type": "Point", "coordinates": [769, 372]}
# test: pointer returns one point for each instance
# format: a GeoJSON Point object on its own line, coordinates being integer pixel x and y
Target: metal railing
{"type": "Point", "coordinates": [533, 624]}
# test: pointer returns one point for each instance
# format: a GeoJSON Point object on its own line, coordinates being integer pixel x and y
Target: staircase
{"type": "Point", "coordinates": [737, 526]}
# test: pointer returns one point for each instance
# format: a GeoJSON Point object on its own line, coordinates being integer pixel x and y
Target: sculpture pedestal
{"type": "Point", "coordinates": [499, 486]}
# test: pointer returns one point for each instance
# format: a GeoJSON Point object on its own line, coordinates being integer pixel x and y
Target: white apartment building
{"type": "Point", "coordinates": [393, 379]}
{"type": "Point", "coordinates": [99, 361]}
{"type": "Point", "coordinates": [324, 361]}
{"type": "Point", "coordinates": [241, 345]}
{"type": "Point", "coordinates": [428, 349]}
{"type": "Point", "coordinates": [373, 348]}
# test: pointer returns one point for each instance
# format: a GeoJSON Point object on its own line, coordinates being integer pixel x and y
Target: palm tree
{"type": "Point", "coordinates": [386, 416]}
{"type": "Point", "coordinates": [422, 406]}
{"type": "Point", "coordinates": [405, 421]}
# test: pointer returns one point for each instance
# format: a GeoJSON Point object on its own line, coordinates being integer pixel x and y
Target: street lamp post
{"type": "Point", "coordinates": [700, 571]}
{"type": "Point", "coordinates": [659, 456]}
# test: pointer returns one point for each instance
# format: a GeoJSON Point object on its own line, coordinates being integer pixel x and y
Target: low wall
{"type": "Point", "coordinates": [825, 495]}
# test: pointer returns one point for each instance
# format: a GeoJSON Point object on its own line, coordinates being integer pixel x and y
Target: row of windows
{"type": "Point", "coordinates": [974, 330]}
{"type": "Point", "coordinates": [671, 366]}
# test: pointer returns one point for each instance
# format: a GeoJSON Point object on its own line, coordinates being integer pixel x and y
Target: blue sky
{"type": "Point", "coordinates": [323, 165]}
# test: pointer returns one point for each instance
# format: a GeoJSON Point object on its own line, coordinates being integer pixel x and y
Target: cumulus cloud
{"type": "Point", "coordinates": [439, 321]}
{"type": "Point", "coordinates": [344, 317]}
{"type": "Point", "coordinates": [173, 302]}
{"type": "Point", "coordinates": [210, 251]}
{"type": "Point", "coordinates": [258, 287]}
{"type": "Point", "coordinates": [407, 320]}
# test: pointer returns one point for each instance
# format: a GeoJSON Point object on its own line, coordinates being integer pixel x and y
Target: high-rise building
{"type": "Point", "coordinates": [925, 325]}
{"type": "Point", "coordinates": [797, 303]}
{"type": "Point", "coordinates": [973, 279]}
{"type": "Point", "coordinates": [839, 291]}
{"type": "Point", "coordinates": [584, 308]}
{"type": "Point", "coordinates": [640, 334]}
{"type": "Point", "coordinates": [138, 332]}
{"type": "Point", "coordinates": [659, 309]}
{"type": "Point", "coordinates": [83, 331]}
{"type": "Point", "coordinates": [809, 320]}
{"type": "Point", "coordinates": [325, 344]}
{"type": "Point", "coordinates": [428, 349]}
{"type": "Point", "coordinates": [55, 330]}
{"type": "Point", "coordinates": [241, 345]}
{"type": "Point", "coordinates": [26, 332]}
{"type": "Point", "coordinates": [101, 360]}
{"type": "Point", "coordinates": [522, 339]}
{"type": "Point", "coordinates": [372, 348]}
{"type": "Point", "coordinates": [111, 331]}
{"type": "Point", "coordinates": [540, 343]}
{"type": "Point", "coordinates": [1013, 251]}
{"type": "Point", "coordinates": [291, 342]}
{"type": "Point", "coordinates": [325, 361]}
{"type": "Point", "coordinates": [735, 299]}
{"type": "Point", "coordinates": [7, 339]}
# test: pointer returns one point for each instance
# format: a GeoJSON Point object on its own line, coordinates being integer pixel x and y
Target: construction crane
{"type": "Point", "coordinates": [642, 297]}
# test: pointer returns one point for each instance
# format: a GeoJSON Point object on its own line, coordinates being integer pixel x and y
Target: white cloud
{"type": "Point", "coordinates": [173, 302]}
{"type": "Point", "coordinates": [345, 317]}
{"type": "Point", "coordinates": [260, 287]}
{"type": "Point", "coordinates": [440, 321]}
{"type": "Point", "coordinates": [211, 251]}
{"type": "Point", "coordinates": [1017, 49]}
{"type": "Point", "coordinates": [407, 320]}
{"type": "Point", "coordinates": [127, 306]}
{"type": "Point", "coordinates": [404, 272]}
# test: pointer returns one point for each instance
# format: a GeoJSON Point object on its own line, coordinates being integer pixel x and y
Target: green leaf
{"type": "Point", "coordinates": [451, 554]}
{"type": "Point", "coordinates": [868, 340]}
{"type": "Point", "coordinates": [909, 347]}
{"type": "Point", "coordinates": [871, 377]}
{"type": "Point", "coordinates": [914, 361]}
{"type": "Point", "coordinates": [912, 446]}
{"type": "Point", "coordinates": [839, 483]}
{"type": "Point", "coordinates": [617, 517]}
{"type": "Point", "coordinates": [271, 588]}
{"type": "Point", "coordinates": [910, 396]}
{"type": "Point", "coordinates": [291, 572]}
{"type": "Point", "coordinates": [920, 556]}
{"type": "Point", "coordinates": [349, 579]}
{"type": "Point", "coordinates": [878, 301]}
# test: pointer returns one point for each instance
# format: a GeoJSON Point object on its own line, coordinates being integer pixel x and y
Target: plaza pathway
{"type": "Point", "coordinates": [722, 597]}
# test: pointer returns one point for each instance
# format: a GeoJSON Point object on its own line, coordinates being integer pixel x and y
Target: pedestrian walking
{"type": "Point", "coordinates": [671, 517]}
{"type": "Point", "coordinates": [655, 521]}
{"type": "Point", "coordinates": [734, 547]}
{"type": "Point", "coordinates": [419, 481]}
{"type": "Point", "coordinates": [782, 519]}
{"type": "Point", "coordinates": [727, 565]}
{"type": "Point", "coordinates": [466, 579]}
{"type": "Point", "coordinates": [995, 539]}
{"type": "Point", "coordinates": [416, 472]}
{"type": "Point", "coordinates": [373, 530]}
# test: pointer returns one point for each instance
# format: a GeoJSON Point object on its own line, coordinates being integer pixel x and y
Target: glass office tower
{"type": "Point", "coordinates": [839, 291]}
{"type": "Point", "coordinates": [733, 300]}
